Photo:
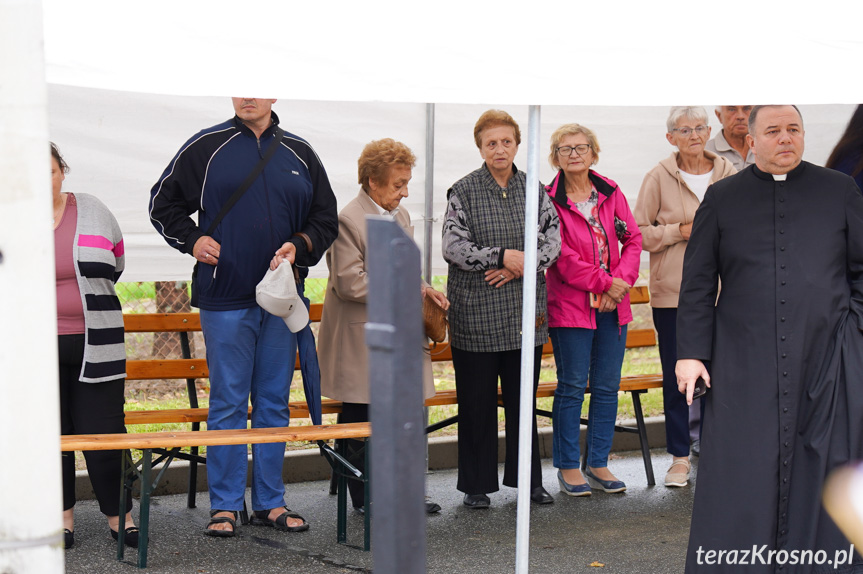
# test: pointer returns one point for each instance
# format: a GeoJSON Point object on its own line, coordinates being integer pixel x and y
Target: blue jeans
{"type": "Point", "coordinates": [249, 353]}
{"type": "Point", "coordinates": [582, 354]}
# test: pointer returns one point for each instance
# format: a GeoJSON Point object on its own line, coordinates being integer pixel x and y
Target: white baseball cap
{"type": "Point", "coordinates": [277, 294]}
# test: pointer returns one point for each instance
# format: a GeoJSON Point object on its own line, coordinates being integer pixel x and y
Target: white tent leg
{"type": "Point", "coordinates": [31, 533]}
{"type": "Point", "coordinates": [528, 321]}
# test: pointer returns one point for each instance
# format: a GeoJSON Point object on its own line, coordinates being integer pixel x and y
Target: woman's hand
{"type": "Point", "coordinates": [618, 290]}
{"type": "Point", "coordinates": [686, 231]}
{"type": "Point", "coordinates": [606, 304]}
{"type": "Point", "coordinates": [206, 250]}
{"type": "Point", "coordinates": [513, 261]}
{"type": "Point", "coordinates": [497, 277]}
{"type": "Point", "coordinates": [437, 296]}
{"type": "Point", "coordinates": [287, 252]}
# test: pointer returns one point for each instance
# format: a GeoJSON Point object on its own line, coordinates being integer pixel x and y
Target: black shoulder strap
{"type": "Point", "coordinates": [250, 179]}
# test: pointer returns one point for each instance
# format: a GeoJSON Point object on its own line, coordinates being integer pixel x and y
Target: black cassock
{"type": "Point", "coordinates": [786, 362]}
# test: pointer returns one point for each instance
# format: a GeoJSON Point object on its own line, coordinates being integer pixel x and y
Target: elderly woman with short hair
{"type": "Point", "coordinates": [589, 340]}
{"type": "Point", "coordinates": [664, 210]}
{"type": "Point", "coordinates": [483, 239]}
{"type": "Point", "coordinates": [384, 171]}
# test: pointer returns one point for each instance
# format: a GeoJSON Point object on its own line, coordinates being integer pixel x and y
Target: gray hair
{"type": "Point", "coordinates": [755, 109]}
{"type": "Point", "coordinates": [677, 113]}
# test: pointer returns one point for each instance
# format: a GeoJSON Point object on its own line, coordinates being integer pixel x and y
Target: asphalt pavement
{"type": "Point", "coordinates": [644, 530]}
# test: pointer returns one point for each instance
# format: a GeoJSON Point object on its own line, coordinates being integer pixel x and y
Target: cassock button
{"type": "Point", "coordinates": [786, 428]}
{"type": "Point", "coordinates": [784, 499]}
{"type": "Point", "coordinates": [781, 200]}
{"type": "Point", "coordinates": [784, 480]}
{"type": "Point", "coordinates": [781, 232]}
{"type": "Point", "coordinates": [782, 267]}
{"type": "Point", "coordinates": [782, 248]}
{"type": "Point", "coordinates": [782, 301]}
{"type": "Point", "coordinates": [783, 336]}
{"type": "Point", "coordinates": [787, 443]}
{"type": "Point", "coordinates": [783, 283]}
{"type": "Point", "coordinates": [781, 215]}
{"type": "Point", "coordinates": [784, 463]}
{"type": "Point", "coordinates": [784, 355]}
{"type": "Point", "coordinates": [785, 410]}
{"type": "Point", "coordinates": [784, 373]}
{"type": "Point", "coordinates": [783, 320]}
{"type": "Point", "coordinates": [785, 392]}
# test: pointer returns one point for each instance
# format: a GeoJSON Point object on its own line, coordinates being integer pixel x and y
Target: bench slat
{"type": "Point", "coordinates": [298, 411]}
{"type": "Point", "coordinates": [167, 439]}
{"type": "Point", "coordinates": [161, 322]}
{"type": "Point", "coordinates": [167, 369]}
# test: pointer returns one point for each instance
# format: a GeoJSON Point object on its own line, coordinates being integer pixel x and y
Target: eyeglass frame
{"type": "Point", "coordinates": [703, 128]}
{"type": "Point", "coordinates": [573, 148]}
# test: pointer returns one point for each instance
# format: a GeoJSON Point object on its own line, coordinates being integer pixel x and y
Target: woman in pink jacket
{"type": "Point", "coordinates": [588, 306]}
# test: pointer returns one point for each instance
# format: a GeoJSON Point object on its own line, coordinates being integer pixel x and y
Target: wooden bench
{"type": "Point", "coordinates": [171, 442]}
{"type": "Point", "coordinates": [190, 369]}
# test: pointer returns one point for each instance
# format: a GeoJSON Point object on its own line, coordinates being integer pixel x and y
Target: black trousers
{"type": "Point", "coordinates": [476, 377]}
{"type": "Point", "coordinates": [90, 408]}
{"type": "Point", "coordinates": [355, 413]}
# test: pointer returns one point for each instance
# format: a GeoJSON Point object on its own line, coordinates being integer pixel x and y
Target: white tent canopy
{"type": "Point", "coordinates": [118, 144]}
{"type": "Point", "coordinates": [452, 51]}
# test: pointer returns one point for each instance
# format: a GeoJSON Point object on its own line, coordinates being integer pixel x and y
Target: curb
{"type": "Point", "coordinates": [308, 465]}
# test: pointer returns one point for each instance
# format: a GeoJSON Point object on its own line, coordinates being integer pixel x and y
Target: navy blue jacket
{"type": "Point", "coordinates": [292, 195]}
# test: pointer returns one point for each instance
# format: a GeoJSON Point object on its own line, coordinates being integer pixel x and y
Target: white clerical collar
{"type": "Point", "coordinates": [782, 177]}
{"type": "Point", "coordinates": [382, 211]}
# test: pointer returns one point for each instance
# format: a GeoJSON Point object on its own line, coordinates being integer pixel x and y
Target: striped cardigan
{"type": "Point", "coordinates": [98, 255]}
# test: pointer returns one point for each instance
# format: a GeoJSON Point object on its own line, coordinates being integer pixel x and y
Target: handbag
{"type": "Point", "coordinates": [434, 320]}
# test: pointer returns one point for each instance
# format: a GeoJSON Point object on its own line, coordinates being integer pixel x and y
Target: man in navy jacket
{"type": "Point", "coordinates": [289, 212]}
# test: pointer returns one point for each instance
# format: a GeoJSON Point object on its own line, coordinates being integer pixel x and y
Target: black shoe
{"type": "Point", "coordinates": [540, 495]}
{"type": "Point", "coordinates": [476, 501]}
{"type": "Point", "coordinates": [68, 539]}
{"type": "Point", "coordinates": [432, 507]}
{"type": "Point", "coordinates": [696, 447]}
{"type": "Point", "coordinates": [360, 510]}
{"type": "Point", "coordinates": [131, 537]}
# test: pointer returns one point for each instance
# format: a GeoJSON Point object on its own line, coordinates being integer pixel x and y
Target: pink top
{"type": "Point", "coordinates": [70, 309]}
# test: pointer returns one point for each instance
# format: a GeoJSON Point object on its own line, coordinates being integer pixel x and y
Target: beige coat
{"type": "Point", "coordinates": [342, 351]}
{"type": "Point", "coordinates": [665, 203]}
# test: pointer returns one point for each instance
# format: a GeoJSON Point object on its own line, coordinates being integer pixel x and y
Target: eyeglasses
{"type": "Point", "coordinates": [686, 132]}
{"type": "Point", "coordinates": [580, 149]}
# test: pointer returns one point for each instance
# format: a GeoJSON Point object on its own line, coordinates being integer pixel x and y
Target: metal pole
{"type": "Point", "coordinates": [429, 195]}
{"type": "Point", "coordinates": [429, 228]}
{"type": "Point", "coordinates": [528, 336]}
{"type": "Point", "coordinates": [394, 337]}
{"type": "Point", "coordinates": [31, 530]}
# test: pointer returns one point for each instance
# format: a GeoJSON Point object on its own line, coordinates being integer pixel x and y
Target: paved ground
{"type": "Point", "coordinates": [644, 530]}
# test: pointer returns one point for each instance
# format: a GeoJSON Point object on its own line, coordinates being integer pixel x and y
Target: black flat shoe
{"type": "Point", "coordinates": [541, 496]}
{"type": "Point", "coordinates": [476, 501]}
{"type": "Point", "coordinates": [131, 537]}
{"type": "Point", "coordinates": [432, 507]}
{"type": "Point", "coordinates": [68, 539]}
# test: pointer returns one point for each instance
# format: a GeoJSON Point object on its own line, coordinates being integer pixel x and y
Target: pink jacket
{"type": "Point", "coordinates": [577, 273]}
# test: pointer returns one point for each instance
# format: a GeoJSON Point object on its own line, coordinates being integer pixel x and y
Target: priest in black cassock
{"type": "Point", "coordinates": [784, 351]}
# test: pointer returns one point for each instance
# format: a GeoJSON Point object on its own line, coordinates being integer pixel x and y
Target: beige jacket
{"type": "Point", "coordinates": [342, 350]}
{"type": "Point", "coordinates": [664, 203]}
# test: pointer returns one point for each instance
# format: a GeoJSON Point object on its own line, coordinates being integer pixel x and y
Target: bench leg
{"type": "Point", "coordinates": [342, 506]}
{"type": "Point", "coordinates": [146, 490]}
{"type": "Point", "coordinates": [124, 483]}
{"type": "Point", "coordinates": [367, 526]}
{"type": "Point", "coordinates": [642, 436]}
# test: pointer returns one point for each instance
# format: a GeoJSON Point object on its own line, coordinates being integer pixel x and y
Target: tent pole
{"type": "Point", "coordinates": [528, 340]}
{"type": "Point", "coordinates": [31, 530]}
{"type": "Point", "coordinates": [428, 217]}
